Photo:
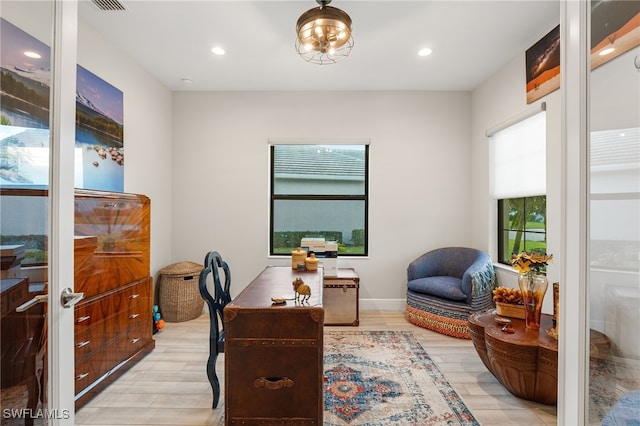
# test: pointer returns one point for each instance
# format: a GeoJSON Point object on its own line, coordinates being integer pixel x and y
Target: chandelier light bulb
{"type": "Point", "coordinates": [324, 34]}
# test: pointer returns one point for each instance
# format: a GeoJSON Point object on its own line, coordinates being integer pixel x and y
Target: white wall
{"type": "Point", "coordinates": [420, 170]}
{"type": "Point", "coordinates": [496, 100]}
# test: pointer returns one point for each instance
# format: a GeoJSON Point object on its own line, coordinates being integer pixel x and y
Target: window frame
{"type": "Point", "coordinates": [502, 228]}
{"type": "Point", "coordinates": [316, 197]}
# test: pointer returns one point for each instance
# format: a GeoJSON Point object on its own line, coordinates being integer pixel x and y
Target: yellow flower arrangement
{"type": "Point", "coordinates": [526, 262]}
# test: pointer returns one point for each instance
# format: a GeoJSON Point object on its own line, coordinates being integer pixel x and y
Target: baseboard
{"type": "Point", "coordinates": [396, 305]}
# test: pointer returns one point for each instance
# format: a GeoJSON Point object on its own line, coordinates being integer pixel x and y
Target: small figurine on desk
{"type": "Point", "coordinates": [301, 289]}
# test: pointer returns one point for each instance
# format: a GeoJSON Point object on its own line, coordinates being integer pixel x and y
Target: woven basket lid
{"type": "Point", "coordinates": [181, 268]}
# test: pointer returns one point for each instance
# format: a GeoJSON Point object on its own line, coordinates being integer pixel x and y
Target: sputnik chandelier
{"type": "Point", "coordinates": [324, 34]}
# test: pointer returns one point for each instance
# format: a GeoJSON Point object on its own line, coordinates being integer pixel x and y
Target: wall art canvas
{"type": "Point", "coordinates": [543, 66]}
{"type": "Point", "coordinates": [615, 29]}
{"type": "Point", "coordinates": [25, 70]}
{"type": "Point", "coordinates": [99, 132]}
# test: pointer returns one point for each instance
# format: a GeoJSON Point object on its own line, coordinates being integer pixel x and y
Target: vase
{"type": "Point", "coordinates": [533, 286]}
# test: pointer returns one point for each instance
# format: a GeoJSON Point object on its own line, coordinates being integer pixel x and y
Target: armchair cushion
{"type": "Point", "coordinates": [446, 287]}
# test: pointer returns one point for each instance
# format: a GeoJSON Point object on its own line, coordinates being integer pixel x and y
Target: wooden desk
{"type": "Point", "coordinates": [273, 353]}
{"type": "Point", "coordinates": [525, 362]}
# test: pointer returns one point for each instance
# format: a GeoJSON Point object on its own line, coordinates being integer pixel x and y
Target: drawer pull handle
{"type": "Point", "coordinates": [83, 319]}
{"type": "Point", "coordinates": [81, 344]}
{"type": "Point", "coordinates": [344, 288]}
{"type": "Point", "coordinates": [136, 340]}
{"type": "Point", "coordinates": [81, 376]}
{"type": "Point", "coordinates": [134, 316]}
{"type": "Point", "coordinates": [273, 383]}
{"type": "Point", "coordinates": [134, 296]}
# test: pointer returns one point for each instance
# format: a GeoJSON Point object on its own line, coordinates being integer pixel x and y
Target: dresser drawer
{"type": "Point", "coordinates": [15, 292]}
{"type": "Point", "coordinates": [137, 337]}
{"type": "Point", "coordinates": [88, 370]}
{"type": "Point", "coordinates": [98, 322]}
{"type": "Point", "coordinates": [92, 311]}
{"type": "Point", "coordinates": [86, 342]}
{"type": "Point", "coordinates": [281, 378]}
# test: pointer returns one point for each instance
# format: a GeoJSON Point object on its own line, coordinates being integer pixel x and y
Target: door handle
{"type": "Point", "coordinates": [41, 298]}
{"type": "Point", "coordinates": [68, 298]}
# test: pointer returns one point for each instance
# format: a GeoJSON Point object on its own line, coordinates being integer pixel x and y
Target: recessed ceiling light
{"type": "Point", "coordinates": [217, 50]}
{"type": "Point", "coordinates": [606, 51]}
{"type": "Point", "coordinates": [425, 51]}
{"type": "Point", "coordinates": [33, 55]}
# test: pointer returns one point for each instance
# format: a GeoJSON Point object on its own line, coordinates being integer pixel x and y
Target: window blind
{"type": "Point", "coordinates": [518, 159]}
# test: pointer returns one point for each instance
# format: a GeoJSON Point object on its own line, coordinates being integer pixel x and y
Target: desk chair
{"type": "Point", "coordinates": [212, 264]}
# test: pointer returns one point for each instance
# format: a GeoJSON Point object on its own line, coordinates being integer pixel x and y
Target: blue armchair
{"type": "Point", "coordinates": [446, 285]}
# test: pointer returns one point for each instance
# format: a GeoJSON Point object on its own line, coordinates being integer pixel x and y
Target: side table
{"type": "Point", "coordinates": [341, 298]}
{"type": "Point", "coordinates": [525, 362]}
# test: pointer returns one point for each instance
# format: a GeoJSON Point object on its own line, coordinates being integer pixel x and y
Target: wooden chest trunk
{"type": "Point", "coordinates": [341, 298]}
{"type": "Point", "coordinates": [273, 353]}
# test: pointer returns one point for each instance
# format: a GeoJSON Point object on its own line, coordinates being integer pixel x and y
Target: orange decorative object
{"type": "Point", "coordinates": [311, 263]}
{"type": "Point", "coordinates": [298, 256]}
{"type": "Point", "coordinates": [533, 287]}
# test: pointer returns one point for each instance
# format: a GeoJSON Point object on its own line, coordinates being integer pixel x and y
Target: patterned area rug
{"type": "Point", "coordinates": [382, 378]}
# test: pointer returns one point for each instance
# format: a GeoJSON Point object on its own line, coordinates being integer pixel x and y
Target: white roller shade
{"type": "Point", "coordinates": [518, 159]}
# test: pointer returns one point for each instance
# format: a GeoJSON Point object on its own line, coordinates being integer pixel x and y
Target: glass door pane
{"type": "Point", "coordinates": [25, 57]}
{"type": "Point", "coordinates": [614, 214]}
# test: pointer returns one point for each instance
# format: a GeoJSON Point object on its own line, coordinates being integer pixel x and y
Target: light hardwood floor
{"type": "Point", "coordinates": [170, 387]}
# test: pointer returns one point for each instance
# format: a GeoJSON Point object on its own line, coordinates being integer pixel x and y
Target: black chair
{"type": "Point", "coordinates": [212, 264]}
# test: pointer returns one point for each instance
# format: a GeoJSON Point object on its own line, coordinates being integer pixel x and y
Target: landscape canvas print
{"type": "Point", "coordinates": [543, 66]}
{"type": "Point", "coordinates": [25, 67]}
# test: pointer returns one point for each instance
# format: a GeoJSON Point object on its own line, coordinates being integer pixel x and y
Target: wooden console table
{"type": "Point", "coordinates": [525, 362]}
{"type": "Point", "coordinates": [273, 353]}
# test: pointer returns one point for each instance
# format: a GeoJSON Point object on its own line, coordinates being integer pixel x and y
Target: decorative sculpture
{"type": "Point", "coordinates": [301, 290]}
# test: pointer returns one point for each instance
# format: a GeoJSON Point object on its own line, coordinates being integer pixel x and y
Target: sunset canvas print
{"type": "Point", "coordinates": [615, 29]}
{"type": "Point", "coordinates": [543, 66]}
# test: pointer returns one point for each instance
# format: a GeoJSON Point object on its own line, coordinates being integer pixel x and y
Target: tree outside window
{"type": "Point", "coordinates": [522, 226]}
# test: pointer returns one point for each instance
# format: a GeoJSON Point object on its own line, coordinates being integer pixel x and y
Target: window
{"type": "Point", "coordinates": [319, 191]}
{"type": "Point", "coordinates": [522, 226]}
{"type": "Point", "coordinates": [614, 208]}
{"type": "Point", "coordinates": [518, 184]}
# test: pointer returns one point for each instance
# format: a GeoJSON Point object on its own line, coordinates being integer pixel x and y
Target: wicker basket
{"type": "Point", "coordinates": [510, 310]}
{"type": "Point", "coordinates": [179, 296]}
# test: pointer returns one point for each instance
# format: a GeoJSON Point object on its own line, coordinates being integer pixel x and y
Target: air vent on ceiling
{"type": "Point", "coordinates": [109, 4]}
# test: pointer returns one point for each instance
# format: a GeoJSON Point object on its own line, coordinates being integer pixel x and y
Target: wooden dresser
{"type": "Point", "coordinates": [113, 323]}
{"type": "Point", "coordinates": [273, 353]}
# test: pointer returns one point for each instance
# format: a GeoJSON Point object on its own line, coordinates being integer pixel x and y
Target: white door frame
{"type": "Point", "coordinates": [573, 336]}
{"type": "Point", "coordinates": [60, 347]}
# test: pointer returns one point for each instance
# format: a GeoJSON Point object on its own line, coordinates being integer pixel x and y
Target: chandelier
{"type": "Point", "coordinates": [324, 34]}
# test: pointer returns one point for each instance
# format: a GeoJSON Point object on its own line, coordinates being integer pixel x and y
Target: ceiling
{"type": "Point", "coordinates": [470, 40]}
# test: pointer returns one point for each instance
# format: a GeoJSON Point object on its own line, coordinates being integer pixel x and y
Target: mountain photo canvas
{"type": "Point", "coordinates": [25, 71]}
